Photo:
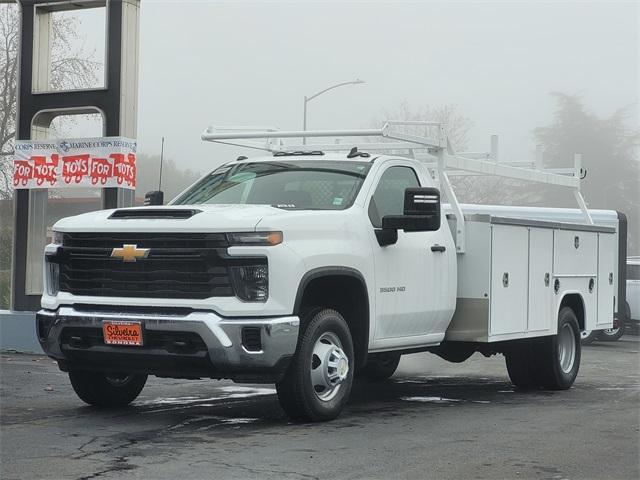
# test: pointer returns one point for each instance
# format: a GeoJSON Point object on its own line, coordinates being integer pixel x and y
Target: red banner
{"type": "Point", "coordinates": [79, 162]}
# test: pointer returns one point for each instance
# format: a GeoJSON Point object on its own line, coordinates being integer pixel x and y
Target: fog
{"type": "Point", "coordinates": [240, 63]}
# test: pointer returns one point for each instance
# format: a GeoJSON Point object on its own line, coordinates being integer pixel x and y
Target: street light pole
{"type": "Point", "coordinates": [308, 99]}
{"type": "Point", "coordinates": [304, 120]}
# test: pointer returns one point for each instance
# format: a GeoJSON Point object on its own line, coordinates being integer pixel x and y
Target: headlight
{"type": "Point", "coordinates": [251, 282]}
{"type": "Point", "coordinates": [255, 238]}
{"type": "Point", "coordinates": [53, 282]}
{"type": "Point", "coordinates": [57, 238]}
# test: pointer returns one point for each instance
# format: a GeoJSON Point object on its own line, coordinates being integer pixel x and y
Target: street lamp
{"type": "Point", "coordinates": [308, 99]}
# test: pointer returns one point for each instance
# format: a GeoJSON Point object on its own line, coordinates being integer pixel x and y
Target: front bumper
{"type": "Point", "coordinates": [184, 345]}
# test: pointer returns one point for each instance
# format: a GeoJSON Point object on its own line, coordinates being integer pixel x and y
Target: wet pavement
{"type": "Point", "coordinates": [433, 419]}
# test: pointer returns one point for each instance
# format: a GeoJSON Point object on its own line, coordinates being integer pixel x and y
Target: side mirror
{"type": "Point", "coordinates": [154, 198]}
{"type": "Point", "coordinates": [421, 214]}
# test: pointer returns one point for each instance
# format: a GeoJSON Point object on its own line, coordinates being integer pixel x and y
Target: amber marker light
{"type": "Point", "coordinates": [255, 238]}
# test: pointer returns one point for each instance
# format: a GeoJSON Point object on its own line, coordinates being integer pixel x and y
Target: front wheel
{"type": "Point", "coordinates": [318, 382]}
{"type": "Point", "coordinates": [107, 389]}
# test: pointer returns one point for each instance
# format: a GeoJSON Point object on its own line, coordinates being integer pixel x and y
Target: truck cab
{"type": "Point", "coordinates": [218, 279]}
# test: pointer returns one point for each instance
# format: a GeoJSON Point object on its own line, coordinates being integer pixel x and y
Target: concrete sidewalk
{"type": "Point", "coordinates": [18, 332]}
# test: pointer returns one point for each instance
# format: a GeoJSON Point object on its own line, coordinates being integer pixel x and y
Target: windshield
{"type": "Point", "coordinates": [296, 184]}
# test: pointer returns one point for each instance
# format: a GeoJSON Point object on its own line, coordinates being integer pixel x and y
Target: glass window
{"type": "Point", "coordinates": [295, 184]}
{"type": "Point", "coordinates": [388, 198]}
{"type": "Point", "coordinates": [633, 272]}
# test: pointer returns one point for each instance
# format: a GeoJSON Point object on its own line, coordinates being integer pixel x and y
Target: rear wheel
{"type": "Point", "coordinates": [318, 382]}
{"type": "Point", "coordinates": [521, 366]}
{"type": "Point", "coordinates": [380, 366]}
{"type": "Point", "coordinates": [107, 390]}
{"type": "Point", "coordinates": [548, 362]}
{"type": "Point", "coordinates": [559, 355]}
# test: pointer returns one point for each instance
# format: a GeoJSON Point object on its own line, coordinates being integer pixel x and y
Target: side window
{"type": "Point", "coordinates": [388, 199]}
{"type": "Point", "coordinates": [633, 272]}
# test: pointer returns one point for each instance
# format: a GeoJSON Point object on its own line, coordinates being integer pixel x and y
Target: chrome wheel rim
{"type": "Point", "coordinates": [567, 348]}
{"type": "Point", "coordinates": [329, 366]}
{"type": "Point", "coordinates": [611, 331]}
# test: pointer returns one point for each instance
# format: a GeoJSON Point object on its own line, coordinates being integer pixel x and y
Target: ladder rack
{"type": "Point", "coordinates": [435, 151]}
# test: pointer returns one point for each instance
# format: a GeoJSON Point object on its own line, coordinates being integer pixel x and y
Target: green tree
{"type": "Point", "coordinates": [609, 149]}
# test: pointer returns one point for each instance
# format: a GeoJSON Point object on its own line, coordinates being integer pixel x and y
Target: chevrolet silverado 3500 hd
{"type": "Point", "coordinates": [307, 269]}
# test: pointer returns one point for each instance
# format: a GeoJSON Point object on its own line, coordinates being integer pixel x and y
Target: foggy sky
{"type": "Point", "coordinates": [240, 63]}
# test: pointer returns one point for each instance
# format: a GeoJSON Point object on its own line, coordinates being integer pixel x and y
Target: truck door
{"type": "Point", "coordinates": [414, 283]}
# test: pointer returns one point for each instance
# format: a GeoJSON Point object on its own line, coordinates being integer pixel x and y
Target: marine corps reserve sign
{"type": "Point", "coordinates": [75, 162]}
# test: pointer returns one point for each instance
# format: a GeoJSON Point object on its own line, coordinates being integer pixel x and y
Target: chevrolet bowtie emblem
{"type": "Point", "coordinates": [130, 253]}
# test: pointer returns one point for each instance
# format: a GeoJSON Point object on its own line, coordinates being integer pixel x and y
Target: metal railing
{"type": "Point", "coordinates": [435, 151]}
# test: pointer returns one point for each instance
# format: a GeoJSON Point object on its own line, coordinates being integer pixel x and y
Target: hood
{"type": "Point", "coordinates": [202, 218]}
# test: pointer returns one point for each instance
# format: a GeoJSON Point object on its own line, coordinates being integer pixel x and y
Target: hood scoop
{"type": "Point", "coordinates": [154, 213]}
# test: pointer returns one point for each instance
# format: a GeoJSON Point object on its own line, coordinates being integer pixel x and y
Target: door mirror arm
{"type": "Point", "coordinates": [386, 236]}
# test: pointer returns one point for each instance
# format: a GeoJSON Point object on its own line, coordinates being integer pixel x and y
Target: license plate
{"type": "Point", "coordinates": [122, 333]}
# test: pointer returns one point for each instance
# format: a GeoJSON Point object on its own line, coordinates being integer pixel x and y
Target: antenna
{"type": "Point", "coordinates": [161, 159]}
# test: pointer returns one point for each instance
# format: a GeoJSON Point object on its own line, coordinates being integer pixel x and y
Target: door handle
{"type": "Point", "coordinates": [438, 248]}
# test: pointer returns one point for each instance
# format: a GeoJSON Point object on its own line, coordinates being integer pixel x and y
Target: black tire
{"type": "Point", "coordinates": [614, 334]}
{"type": "Point", "coordinates": [379, 367]}
{"type": "Point", "coordinates": [521, 365]}
{"type": "Point", "coordinates": [588, 337]}
{"type": "Point", "coordinates": [538, 363]}
{"type": "Point", "coordinates": [107, 390]}
{"type": "Point", "coordinates": [298, 397]}
{"type": "Point", "coordinates": [551, 374]}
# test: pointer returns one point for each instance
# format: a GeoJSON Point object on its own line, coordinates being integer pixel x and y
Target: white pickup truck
{"type": "Point", "coordinates": [307, 269]}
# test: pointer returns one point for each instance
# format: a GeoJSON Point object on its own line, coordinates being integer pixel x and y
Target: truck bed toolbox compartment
{"type": "Point", "coordinates": [515, 272]}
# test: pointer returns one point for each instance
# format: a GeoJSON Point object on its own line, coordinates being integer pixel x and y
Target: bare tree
{"type": "Point", "coordinates": [457, 126]}
{"type": "Point", "coordinates": [72, 66]}
{"type": "Point", "coordinates": [9, 31]}
{"type": "Point", "coordinates": [469, 189]}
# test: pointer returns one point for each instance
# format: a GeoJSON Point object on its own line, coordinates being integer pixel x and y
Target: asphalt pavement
{"type": "Point", "coordinates": [433, 419]}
